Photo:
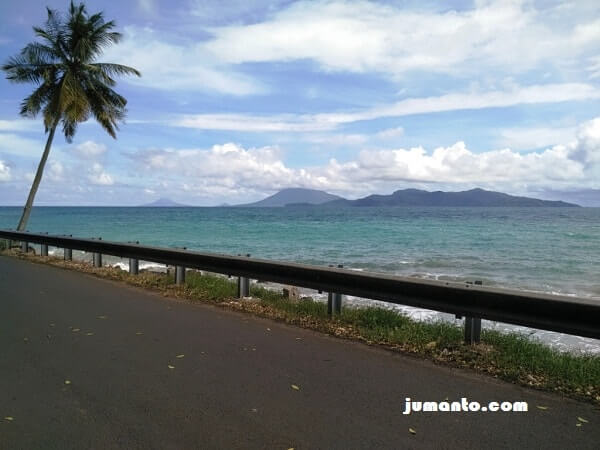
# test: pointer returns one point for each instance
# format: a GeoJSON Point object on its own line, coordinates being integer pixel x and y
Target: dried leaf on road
{"type": "Point", "coordinates": [543, 408]}
{"type": "Point", "coordinates": [89, 334]}
{"type": "Point", "coordinates": [139, 333]}
{"type": "Point", "coordinates": [296, 388]}
{"type": "Point", "coordinates": [102, 317]}
{"type": "Point", "coordinates": [581, 419]}
{"type": "Point", "coordinates": [180, 356]}
{"type": "Point", "coordinates": [412, 431]}
{"type": "Point", "coordinates": [170, 366]}
{"type": "Point", "coordinates": [75, 330]}
{"type": "Point", "coordinates": [67, 382]}
{"type": "Point", "coordinates": [9, 418]}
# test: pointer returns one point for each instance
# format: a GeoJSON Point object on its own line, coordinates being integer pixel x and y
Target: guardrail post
{"type": "Point", "coordinates": [473, 324]}
{"type": "Point", "coordinates": [337, 298]}
{"type": "Point", "coordinates": [44, 249]}
{"type": "Point", "coordinates": [134, 264]}
{"type": "Point", "coordinates": [332, 301]}
{"type": "Point", "coordinates": [180, 274]}
{"type": "Point", "coordinates": [68, 253]}
{"type": "Point", "coordinates": [244, 284]}
{"type": "Point", "coordinates": [472, 330]}
{"type": "Point", "coordinates": [98, 258]}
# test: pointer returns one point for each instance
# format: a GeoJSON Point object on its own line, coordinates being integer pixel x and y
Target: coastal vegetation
{"type": "Point", "coordinates": [508, 356]}
{"type": "Point", "coordinates": [71, 85]}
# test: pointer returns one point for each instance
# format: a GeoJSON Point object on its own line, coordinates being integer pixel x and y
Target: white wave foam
{"type": "Point", "coordinates": [142, 266]}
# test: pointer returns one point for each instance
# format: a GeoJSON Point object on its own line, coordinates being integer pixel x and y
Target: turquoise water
{"type": "Point", "coordinates": [541, 249]}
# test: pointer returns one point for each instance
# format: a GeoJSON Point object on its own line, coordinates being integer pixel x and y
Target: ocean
{"type": "Point", "coordinates": [553, 250]}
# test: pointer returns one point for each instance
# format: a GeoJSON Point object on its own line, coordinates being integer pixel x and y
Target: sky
{"type": "Point", "coordinates": [242, 98]}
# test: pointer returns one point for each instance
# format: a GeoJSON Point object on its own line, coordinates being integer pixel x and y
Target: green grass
{"type": "Point", "coordinates": [210, 287]}
{"type": "Point", "coordinates": [512, 357]}
{"type": "Point", "coordinates": [385, 325]}
{"type": "Point", "coordinates": [518, 353]}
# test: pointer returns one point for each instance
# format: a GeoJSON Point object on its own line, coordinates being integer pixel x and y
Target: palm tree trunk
{"type": "Point", "coordinates": [36, 181]}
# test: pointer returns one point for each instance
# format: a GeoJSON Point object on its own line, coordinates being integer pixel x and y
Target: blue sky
{"type": "Point", "coordinates": [239, 99]}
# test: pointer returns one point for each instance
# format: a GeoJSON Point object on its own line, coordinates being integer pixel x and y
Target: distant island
{"type": "Point", "coordinates": [310, 198]}
{"type": "Point", "coordinates": [472, 198]}
{"type": "Point", "coordinates": [163, 203]}
{"type": "Point", "coordinates": [295, 195]}
{"type": "Point", "coordinates": [298, 197]}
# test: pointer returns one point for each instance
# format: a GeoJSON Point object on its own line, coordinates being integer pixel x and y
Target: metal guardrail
{"type": "Point", "coordinates": [572, 315]}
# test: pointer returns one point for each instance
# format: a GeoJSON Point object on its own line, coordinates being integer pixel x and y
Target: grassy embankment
{"type": "Point", "coordinates": [512, 357]}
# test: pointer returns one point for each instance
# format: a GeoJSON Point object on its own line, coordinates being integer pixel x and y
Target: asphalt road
{"type": "Point", "coordinates": [234, 386]}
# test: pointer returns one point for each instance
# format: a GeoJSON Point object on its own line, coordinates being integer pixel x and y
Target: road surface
{"type": "Point", "coordinates": [90, 363]}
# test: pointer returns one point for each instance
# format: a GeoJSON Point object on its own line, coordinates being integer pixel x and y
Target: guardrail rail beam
{"type": "Point", "coordinates": [572, 315]}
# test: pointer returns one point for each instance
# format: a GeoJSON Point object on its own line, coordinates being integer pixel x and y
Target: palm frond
{"type": "Point", "coordinates": [106, 105]}
{"type": "Point", "coordinates": [71, 84]}
{"type": "Point", "coordinates": [20, 70]}
{"type": "Point", "coordinates": [33, 103]}
{"type": "Point", "coordinates": [111, 69]}
{"type": "Point", "coordinates": [38, 53]}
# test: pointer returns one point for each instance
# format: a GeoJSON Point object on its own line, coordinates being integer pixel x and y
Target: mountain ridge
{"type": "Point", "coordinates": [295, 196]}
{"type": "Point", "coordinates": [472, 198]}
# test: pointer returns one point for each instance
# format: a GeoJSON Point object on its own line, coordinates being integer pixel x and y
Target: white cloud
{"type": "Point", "coordinates": [243, 122]}
{"type": "Point", "coordinates": [586, 148]}
{"type": "Point", "coordinates": [230, 170]}
{"type": "Point", "coordinates": [594, 67]}
{"type": "Point", "coordinates": [221, 166]}
{"type": "Point", "coordinates": [90, 149]}
{"type": "Point", "coordinates": [361, 36]}
{"type": "Point", "coordinates": [172, 67]}
{"type": "Point", "coordinates": [98, 176]}
{"type": "Point", "coordinates": [534, 137]}
{"type": "Point", "coordinates": [457, 164]}
{"type": "Point", "coordinates": [5, 174]}
{"type": "Point", "coordinates": [17, 145]}
{"type": "Point", "coordinates": [55, 171]}
{"type": "Point", "coordinates": [21, 125]}
{"type": "Point", "coordinates": [516, 95]}
{"type": "Point", "coordinates": [337, 140]}
{"type": "Point", "coordinates": [390, 133]}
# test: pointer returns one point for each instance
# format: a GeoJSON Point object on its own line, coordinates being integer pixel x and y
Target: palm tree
{"type": "Point", "coordinates": [71, 85]}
